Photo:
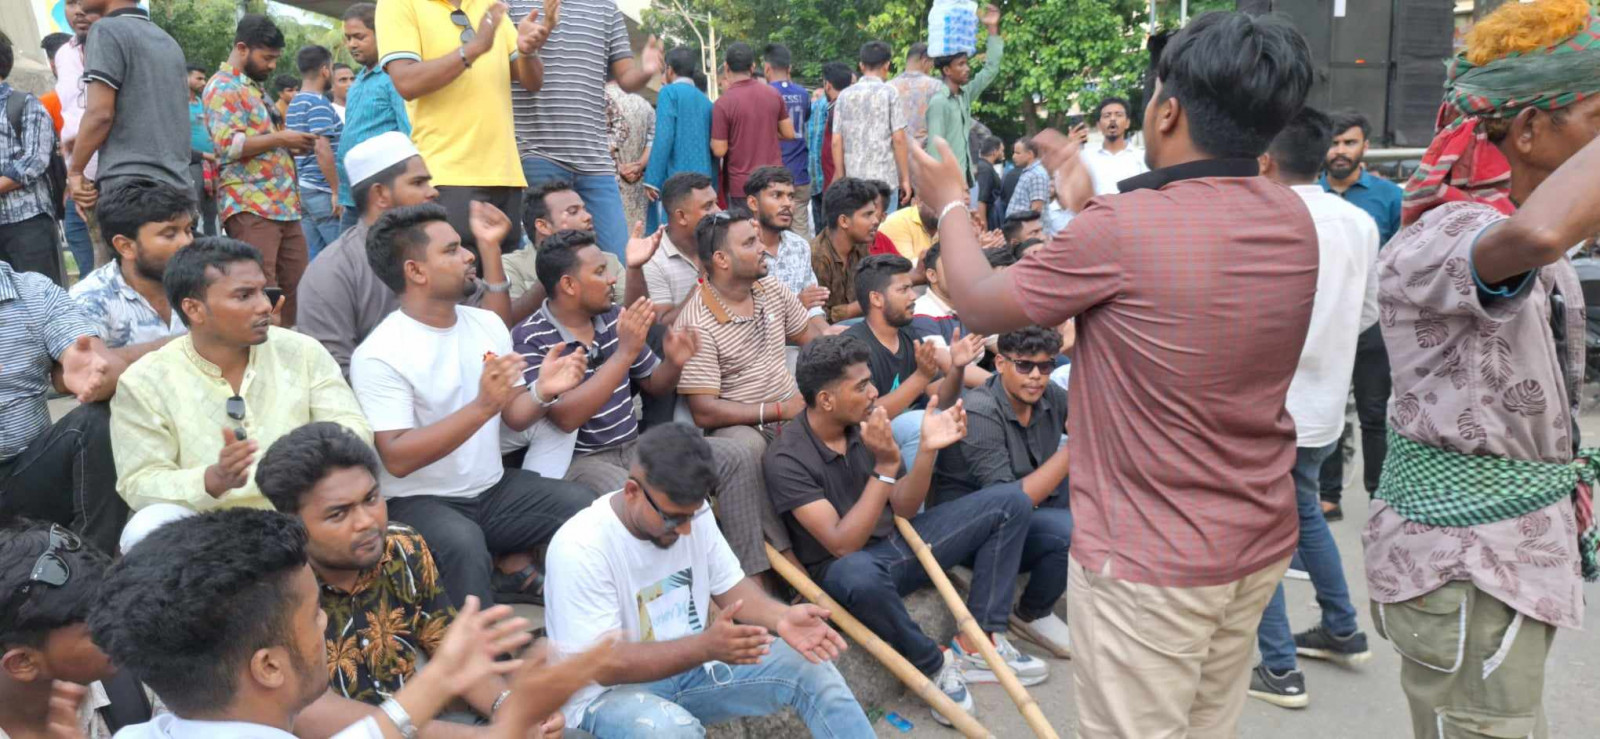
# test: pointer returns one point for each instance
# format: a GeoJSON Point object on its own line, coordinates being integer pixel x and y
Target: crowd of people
{"type": "Point", "coordinates": [355, 368]}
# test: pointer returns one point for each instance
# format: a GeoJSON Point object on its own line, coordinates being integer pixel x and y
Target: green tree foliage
{"type": "Point", "coordinates": [204, 30]}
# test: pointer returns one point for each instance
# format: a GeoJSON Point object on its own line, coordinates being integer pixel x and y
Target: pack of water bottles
{"type": "Point", "coordinates": [952, 28]}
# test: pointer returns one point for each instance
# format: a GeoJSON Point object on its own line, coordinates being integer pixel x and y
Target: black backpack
{"type": "Point", "coordinates": [55, 173]}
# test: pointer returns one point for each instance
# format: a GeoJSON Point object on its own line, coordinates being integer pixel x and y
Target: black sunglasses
{"type": "Point", "coordinates": [668, 522]}
{"type": "Point", "coordinates": [49, 569]}
{"type": "Point", "coordinates": [235, 410]}
{"type": "Point", "coordinates": [459, 17]}
{"type": "Point", "coordinates": [1028, 367]}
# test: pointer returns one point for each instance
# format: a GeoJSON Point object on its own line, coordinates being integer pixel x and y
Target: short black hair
{"type": "Point", "coordinates": [1017, 250]}
{"type": "Point", "coordinates": [53, 42]}
{"type": "Point", "coordinates": [1301, 148]}
{"type": "Point", "coordinates": [364, 12]}
{"type": "Point", "coordinates": [558, 256]}
{"type": "Point", "coordinates": [1001, 256]}
{"type": "Point", "coordinates": [837, 74]}
{"type": "Point", "coordinates": [311, 58]}
{"type": "Point", "coordinates": [846, 196]}
{"type": "Point", "coordinates": [883, 189]}
{"type": "Point", "coordinates": [7, 56]}
{"type": "Point", "coordinates": [676, 459]}
{"type": "Point", "coordinates": [1028, 341]}
{"type": "Point", "coordinates": [875, 54]}
{"type": "Point", "coordinates": [1344, 120]}
{"type": "Point", "coordinates": [128, 203]}
{"type": "Point", "coordinates": [1027, 143]}
{"type": "Point", "coordinates": [739, 57]}
{"type": "Point", "coordinates": [1127, 107]}
{"type": "Point", "coordinates": [400, 234]}
{"type": "Point", "coordinates": [873, 275]}
{"type": "Point", "coordinates": [534, 207]}
{"type": "Point", "coordinates": [918, 51]}
{"type": "Point", "coordinates": [298, 460]}
{"type": "Point", "coordinates": [360, 191]}
{"type": "Point", "coordinates": [678, 187]}
{"type": "Point", "coordinates": [824, 361]}
{"type": "Point", "coordinates": [777, 56]}
{"type": "Point", "coordinates": [711, 236]}
{"type": "Point", "coordinates": [682, 61]}
{"type": "Point", "coordinates": [1239, 78]}
{"type": "Point", "coordinates": [765, 177]}
{"type": "Point", "coordinates": [186, 608]}
{"type": "Point", "coordinates": [197, 68]}
{"type": "Point", "coordinates": [930, 258]}
{"type": "Point", "coordinates": [940, 62]}
{"type": "Point", "coordinates": [257, 31]}
{"type": "Point", "coordinates": [286, 82]}
{"type": "Point", "coordinates": [1012, 226]}
{"type": "Point", "coordinates": [990, 145]}
{"type": "Point", "coordinates": [29, 618]}
{"type": "Point", "coordinates": [340, 65]}
{"type": "Point", "coordinates": [189, 271]}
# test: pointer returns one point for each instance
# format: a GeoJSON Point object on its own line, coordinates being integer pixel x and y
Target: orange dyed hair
{"type": "Point", "coordinates": [1523, 27]}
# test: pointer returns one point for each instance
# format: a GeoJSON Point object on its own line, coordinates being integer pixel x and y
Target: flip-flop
{"type": "Point", "coordinates": [523, 586]}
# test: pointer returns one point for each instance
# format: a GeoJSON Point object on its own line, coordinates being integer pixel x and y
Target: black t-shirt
{"type": "Point", "coordinates": [989, 191]}
{"type": "Point", "coordinates": [889, 369]}
{"type": "Point", "coordinates": [800, 470]}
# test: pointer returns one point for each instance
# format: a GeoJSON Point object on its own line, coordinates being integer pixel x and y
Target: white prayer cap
{"type": "Point", "coordinates": [149, 519]}
{"type": "Point", "coordinates": [377, 154]}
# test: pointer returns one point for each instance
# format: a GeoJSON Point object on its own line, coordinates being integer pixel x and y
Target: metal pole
{"type": "Point", "coordinates": [1183, 13]}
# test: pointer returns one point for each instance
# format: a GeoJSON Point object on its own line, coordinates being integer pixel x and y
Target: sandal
{"type": "Point", "coordinates": [523, 586]}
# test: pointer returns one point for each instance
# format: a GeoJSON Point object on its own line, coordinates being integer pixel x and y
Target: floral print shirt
{"type": "Point", "coordinates": [396, 613]}
{"type": "Point", "coordinates": [1479, 377]}
{"type": "Point", "coordinates": [263, 184]}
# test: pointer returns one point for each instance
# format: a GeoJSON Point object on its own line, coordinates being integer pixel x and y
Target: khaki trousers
{"type": "Point", "coordinates": [1157, 662]}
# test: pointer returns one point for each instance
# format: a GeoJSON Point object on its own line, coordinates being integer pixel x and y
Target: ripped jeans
{"type": "Point", "coordinates": [681, 705]}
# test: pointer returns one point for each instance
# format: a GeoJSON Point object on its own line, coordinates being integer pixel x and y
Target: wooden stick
{"type": "Point", "coordinates": [898, 665]}
{"type": "Point", "coordinates": [974, 633]}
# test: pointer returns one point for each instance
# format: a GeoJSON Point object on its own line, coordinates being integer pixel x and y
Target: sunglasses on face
{"type": "Point", "coordinates": [459, 17]}
{"type": "Point", "coordinates": [667, 521]}
{"type": "Point", "coordinates": [49, 569]}
{"type": "Point", "coordinates": [1028, 367]}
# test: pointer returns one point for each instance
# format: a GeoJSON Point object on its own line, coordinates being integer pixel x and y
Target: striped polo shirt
{"type": "Point", "coordinates": [614, 424]}
{"type": "Point", "coordinates": [741, 358]}
{"type": "Point", "coordinates": [565, 121]}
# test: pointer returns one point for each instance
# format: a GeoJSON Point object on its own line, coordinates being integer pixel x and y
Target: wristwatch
{"type": "Point", "coordinates": [885, 479]}
{"type": "Point", "coordinates": [401, 719]}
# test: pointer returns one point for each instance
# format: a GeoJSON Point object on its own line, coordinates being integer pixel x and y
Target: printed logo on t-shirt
{"type": "Point", "coordinates": [666, 608]}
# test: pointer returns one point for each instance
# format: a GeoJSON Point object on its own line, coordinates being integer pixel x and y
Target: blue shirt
{"type": "Point", "coordinates": [1377, 196]}
{"type": "Point", "coordinates": [37, 323]}
{"type": "Point", "coordinates": [372, 106]}
{"type": "Point", "coordinates": [798, 102]}
{"type": "Point", "coordinates": [683, 134]}
{"type": "Point", "coordinates": [310, 112]}
{"type": "Point", "coordinates": [199, 135]}
{"type": "Point", "coordinates": [814, 130]}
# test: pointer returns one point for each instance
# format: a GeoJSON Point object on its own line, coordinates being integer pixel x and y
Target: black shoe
{"type": "Point", "coordinates": [1333, 514]}
{"type": "Point", "coordinates": [1287, 690]}
{"type": "Point", "coordinates": [1320, 643]}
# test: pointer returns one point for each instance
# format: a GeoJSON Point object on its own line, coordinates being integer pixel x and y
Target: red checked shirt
{"type": "Point", "coordinates": [1192, 291]}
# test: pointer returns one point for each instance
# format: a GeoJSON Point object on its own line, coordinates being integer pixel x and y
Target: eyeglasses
{"type": "Point", "coordinates": [49, 569]}
{"type": "Point", "coordinates": [459, 17]}
{"type": "Point", "coordinates": [667, 522]}
{"type": "Point", "coordinates": [1028, 367]}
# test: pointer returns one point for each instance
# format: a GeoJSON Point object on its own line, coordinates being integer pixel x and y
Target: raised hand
{"type": "Point", "coordinates": [1056, 149]}
{"type": "Point", "coordinates": [878, 435]}
{"type": "Point", "coordinates": [641, 247]}
{"type": "Point", "coordinates": [733, 643]}
{"type": "Point", "coordinates": [679, 344]}
{"type": "Point", "coordinates": [805, 627]}
{"type": "Point", "coordinates": [651, 58]}
{"type": "Point", "coordinates": [476, 639]}
{"type": "Point", "coordinates": [633, 327]}
{"type": "Point", "coordinates": [813, 296]}
{"type": "Point", "coordinates": [927, 359]}
{"type": "Point", "coordinates": [86, 369]}
{"type": "Point", "coordinates": [232, 469]}
{"type": "Point", "coordinates": [497, 387]}
{"type": "Point", "coordinates": [940, 429]}
{"type": "Point", "coordinates": [489, 225]}
{"type": "Point", "coordinates": [532, 32]}
{"type": "Point", "coordinates": [560, 372]}
{"type": "Point", "coordinates": [964, 350]}
{"type": "Point", "coordinates": [991, 18]}
{"type": "Point", "coordinates": [483, 40]}
{"type": "Point", "coordinates": [939, 182]}
{"type": "Point", "coordinates": [990, 239]}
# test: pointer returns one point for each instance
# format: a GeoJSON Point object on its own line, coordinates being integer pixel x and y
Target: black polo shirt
{"type": "Point", "coordinates": [800, 469]}
{"type": "Point", "coordinates": [998, 448]}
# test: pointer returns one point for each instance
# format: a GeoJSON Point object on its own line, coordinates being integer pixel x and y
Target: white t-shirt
{"type": "Point", "coordinates": [1107, 169]}
{"type": "Point", "coordinates": [409, 375]}
{"type": "Point", "coordinates": [1346, 304]}
{"type": "Point", "coordinates": [600, 578]}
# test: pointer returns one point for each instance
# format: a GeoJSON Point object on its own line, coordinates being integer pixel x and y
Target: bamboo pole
{"type": "Point", "coordinates": [969, 627]}
{"type": "Point", "coordinates": [885, 654]}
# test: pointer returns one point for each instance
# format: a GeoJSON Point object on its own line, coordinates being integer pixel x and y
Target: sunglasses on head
{"type": "Point", "coordinates": [50, 569]}
{"type": "Point", "coordinates": [459, 17]}
{"type": "Point", "coordinates": [1028, 367]}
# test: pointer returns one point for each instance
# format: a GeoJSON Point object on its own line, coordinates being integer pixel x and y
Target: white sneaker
{"type": "Point", "coordinates": [1293, 574]}
{"type": "Point", "coordinates": [1030, 670]}
{"type": "Point", "coordinates": [1049, 632]}
{"type": "Point", "coordinates": [954, 685]}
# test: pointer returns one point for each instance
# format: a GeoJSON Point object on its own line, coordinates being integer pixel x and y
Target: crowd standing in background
{"type": "Point", "coordinates": [361, 354]}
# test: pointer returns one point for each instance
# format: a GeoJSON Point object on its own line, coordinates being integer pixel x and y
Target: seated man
{"type": "Point", "coordinates": [934, 320]}
{"type": "Point", "coordinates": [1022, 226]}
{"type": "Point", "coordinates": [904, 368]}
{"type": "Point", "coordinates": [769, 197]}
{"type": "Point", "coordinates": [548, 208]}
{"type": "Point", "coordinates": [672, 273]}
{"type": "Point", "coordinates": [144, 222]}
{"type": "Point", "coordinates": [1016, 434]}
{"type": "Point", "coordinates": [50, 579]}
{"type": "Point", "coordinates": [341, 298]}
{"type": "Point", "coordinates": [835, 475]}
{"type": "Point", "coordinates": [189, 418]}
{"type": "Point", "coordinates": [738, 386]}
{"type": "Point", "coordinates": [852, 211]}
{"type": "Point", "coordinates": [645, 561]}
{"type": "Point", "coordinates": [437, 379]}
{"type": "Point", "coordinates": [912, 230]}
{"type": "Point", "coordinates": [374, 574]}
{"type": "Point", "coordinates": [242, 654]}
{"type": "Point", "coordinates": [61, 472]}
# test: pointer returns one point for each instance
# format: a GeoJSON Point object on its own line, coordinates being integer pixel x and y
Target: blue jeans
{"type": "Point", "coordinates": [681, 705]}
{"type": "Point", "coordinates": [1044, 556]}
{"type": "Point", "coordinates": [350, 218]}
{"type": "Point", "coordinates": [1320, 555]}
{"type": "Point", "coordinates": [907, 428]}
{"type": "Point", "coordinates": [600, 195]}
{"type": "Point", "coordinates": [988, 528]}
{"type": "Point", "coordinates": [78, 241]}
{"type": "Point", "coordinates": [319, 223]}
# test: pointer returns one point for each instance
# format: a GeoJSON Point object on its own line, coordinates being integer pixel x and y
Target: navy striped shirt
{"type": "Point", "coordinates": [310, 112]}
{"type": "Point", "coordinates": [614, 424]}
{"type": "Point", "coordinates": [38, 321]}
{"type": "Point", "coordinates": [565, 121]}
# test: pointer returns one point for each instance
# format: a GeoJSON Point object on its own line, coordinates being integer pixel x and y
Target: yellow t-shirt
{"type": "Point", "coordinates": [904, 228]}
{"type": "Point", "coordinates": [463, 131]}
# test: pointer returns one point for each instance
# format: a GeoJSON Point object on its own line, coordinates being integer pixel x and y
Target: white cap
{"type": "Point", "coordinates": [149, 519]}
{"type": "Point", "coordinates": [377, 154]}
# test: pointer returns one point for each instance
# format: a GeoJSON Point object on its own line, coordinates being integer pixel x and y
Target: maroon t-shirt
{"type": "Point", "coordinates": [1192, 299]}
{"type": "Point", "coordinates": [747, 116]}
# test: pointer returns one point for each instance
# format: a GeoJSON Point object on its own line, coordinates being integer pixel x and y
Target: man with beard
{"type": "Point", "coordinates": [188, 418]}
{"type": "Point", "coordinates": [1380, 198]}
{"type": "Point", "coordinates": [648, 561]}
{"type": "Point", "coordinates": [1116, 159]}
{"type": "Point", "coordinates": [368, 568]}
{"type": "Point", "coordinates": [904, 368]}
{"type": "Point", "coordinates": [550, 207]}
{"type": "Point", "coordinates": [258, 199]}
{"type": "Point", "coordinates": [438, 379]}
{"type": "Point", "coordinates": [145, 222]}
{"type": "Point", "coordinates": [372, 105]}
{"type": "Point", "coordinates": [771, 196]}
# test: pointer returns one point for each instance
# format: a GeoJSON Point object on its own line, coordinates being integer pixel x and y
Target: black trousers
{"type": "Point", "coordinates": [518, 514]}
{"type": "Point", "coordinates": [1371, 383]}
{"type": "Point", "coordinates": [31, 245]}
{"type": "Point", "coordinates": [457, 201]}
{"type": "Point", "coordinates": [66, 476]}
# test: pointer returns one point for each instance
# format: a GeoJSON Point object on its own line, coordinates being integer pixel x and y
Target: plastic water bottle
{"type": "Point", "coordinates": [952, 28]}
